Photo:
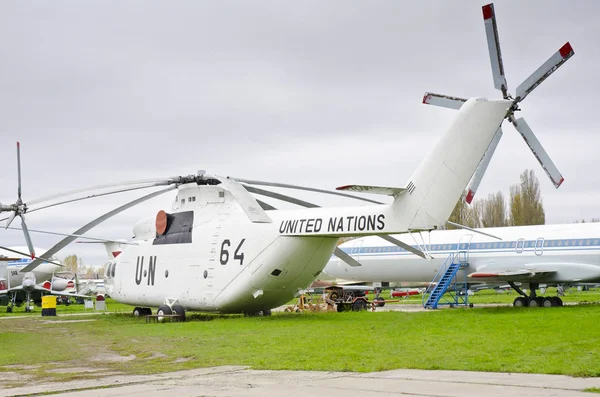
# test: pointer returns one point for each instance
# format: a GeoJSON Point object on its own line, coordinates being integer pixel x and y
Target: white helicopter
{"type": "Point", "coordinates": [222, 250]}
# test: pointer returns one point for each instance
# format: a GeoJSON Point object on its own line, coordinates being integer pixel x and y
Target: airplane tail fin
{"type": "Point", "coordinates": [438, 183]}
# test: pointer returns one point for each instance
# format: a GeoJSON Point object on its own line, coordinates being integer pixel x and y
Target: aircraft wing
{"type": "Point", "coordinates": [525, 273]}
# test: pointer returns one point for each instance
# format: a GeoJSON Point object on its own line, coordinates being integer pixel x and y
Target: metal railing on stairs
{"type": "Point", "coordinates": [445, 288]}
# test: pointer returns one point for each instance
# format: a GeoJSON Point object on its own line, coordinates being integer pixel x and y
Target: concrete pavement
{"type": "Point", "coordinates": [234, 381]}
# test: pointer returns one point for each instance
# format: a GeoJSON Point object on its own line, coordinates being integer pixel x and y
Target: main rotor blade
{"type": "Point", "coordinates": [153, 181]}
{"type": "Point", "coordinates": [248, 203]}
{"type": "Point", "coordinates": [544, 71]}
{"type": "Point", "coordinates": [27, 255]}
{"type": "Point", "coordinates": [280, 196]}
{"type": "Point", "coordinates": [265, 206]}
{"type": "Point", "coordinates": [493, 41]}
{"type": "Point", "coordinates": [95, 239]}
{"type": "Point", "coordinates": [297, 187]}
{"type": "Point", "coordinates": [401, 244]}
{"type": "Point", "coordinates": [67, 240]}
{"type": "Point", "coordinates": [19, 170]}
{"type": "Point", "coordinates": [10, 219]}
{"type": "Point", "coordinates": [482, 167]}
{"type": "Point", "coordinates": [350, 261]}
{"type": "Point", "coordinates": [27, 236]}
{"type": "Point", "coordinates": [94, 196]}
{"type": "Point", "coordinates": [538, 151]}
{"type": "Point", "coordinates": [445, 101]}
{"type": "Point", "coordinates": [458, 225]}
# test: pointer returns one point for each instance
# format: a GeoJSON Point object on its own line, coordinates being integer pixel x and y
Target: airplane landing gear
{"type": "Point", "coordinates": [533, 300]}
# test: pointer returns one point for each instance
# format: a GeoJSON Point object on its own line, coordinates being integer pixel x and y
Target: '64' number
{"type": "Point", "coordinates": [224, 257]}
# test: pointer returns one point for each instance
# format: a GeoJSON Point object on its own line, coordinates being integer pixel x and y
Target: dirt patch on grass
{"type": "Point", "coordinates": [76, 370]}
{"type": "Point", "coordinates": [112, 357]}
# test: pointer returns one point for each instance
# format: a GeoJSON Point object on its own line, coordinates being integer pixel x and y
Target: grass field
{"type": "Point", "coordinates": [553, 341]}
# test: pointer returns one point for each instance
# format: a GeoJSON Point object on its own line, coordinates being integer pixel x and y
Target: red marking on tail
{"type": "Point", "coordinates": [32, 255]}
{"type": "Point", "coordinates": [560, 182]}
{"type": "Point", "coordinates": [566, 50]}
{"type": "Point", "coordinates": [470, 196]}
{"type": "Point", "coordinates": [488, 11]}
{"type": "Point", "coordinates": [426, 98]}
{"type": "Point", "coordinates": [116, 253]}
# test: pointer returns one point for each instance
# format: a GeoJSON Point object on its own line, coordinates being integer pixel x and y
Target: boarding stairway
{"type": "Point", "coordinates": [446, 288]}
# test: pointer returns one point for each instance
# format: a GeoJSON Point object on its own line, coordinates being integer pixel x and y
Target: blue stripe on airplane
{"type": "Point", "coordinates": [506, 246]}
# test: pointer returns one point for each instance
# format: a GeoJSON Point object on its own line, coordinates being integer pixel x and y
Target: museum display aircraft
{"type": "Point", "coordinates": [220, 249]}
{"type": "Point", "coordinates": [530, 255]}
{"type": "Point", "coordinates": [18, 287]}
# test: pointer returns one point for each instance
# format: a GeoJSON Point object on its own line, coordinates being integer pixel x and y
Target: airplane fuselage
{"type": "Point", "coordinates": [549, 253]}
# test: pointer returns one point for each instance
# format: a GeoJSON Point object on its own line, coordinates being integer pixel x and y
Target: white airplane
{"type": "Point", "coordinates": [16, 260]}
{"type": "Point", "coordinates": [533, 255]}
{"type": "Point", "coordinates": [222, 250]}
{"type": "Point", "coordinates": [19, 287]}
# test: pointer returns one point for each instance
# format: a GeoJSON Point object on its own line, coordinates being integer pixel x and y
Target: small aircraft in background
{"type": "Point", "coordinates": [17, 287]}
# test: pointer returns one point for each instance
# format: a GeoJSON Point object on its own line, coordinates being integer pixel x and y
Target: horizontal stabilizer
{"type": "Point", "coordinates": [388, 191]}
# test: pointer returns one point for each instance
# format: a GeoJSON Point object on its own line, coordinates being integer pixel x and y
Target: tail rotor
{"type": "Point", "coordinates": [523, 90]}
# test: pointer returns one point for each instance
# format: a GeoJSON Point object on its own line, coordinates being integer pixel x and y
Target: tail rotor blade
{"type": "Point", "coordinates": [543, 72]}
{"type": "Point", "coordinates": [483, 165]}
{"type": "Point", "coordinates": [444, 101]}
{"type": "Point", "coordinates": [491, 32]}
{"type": "Point", "coordinates": [539, 152]}
{"type": "Point", "coordinates": [27, 236]}
{"type": "Point", "coordinates": [19, 169]}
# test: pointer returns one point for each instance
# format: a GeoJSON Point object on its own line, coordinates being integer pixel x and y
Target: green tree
{"type": "Point", "coordinates": [493, 210]}
{"type": "Point", "coordinates": [72, 263]}
{"type": "Point", "coordinates": [526, 206]}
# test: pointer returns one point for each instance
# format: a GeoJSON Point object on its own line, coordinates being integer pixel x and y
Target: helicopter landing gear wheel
{"type": "Point", "coordinates": [163, 310]}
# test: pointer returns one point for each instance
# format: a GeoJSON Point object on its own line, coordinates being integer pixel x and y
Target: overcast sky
{"type": "Point", "coordinates": [318, 93]}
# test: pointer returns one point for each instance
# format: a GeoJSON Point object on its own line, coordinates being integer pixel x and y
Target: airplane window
{"type": "Point", "coordinates": [205, 273]}
{"type": "Point", "coordinates": [221, 194]}
{"type": "Point", "coordinates": [167, 274]}
{"type": "Point", "coordinates": [588, 242]}
{"type": "Point", "coordinates": [182, 201]}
